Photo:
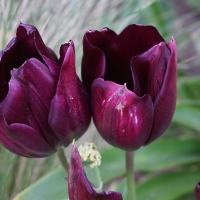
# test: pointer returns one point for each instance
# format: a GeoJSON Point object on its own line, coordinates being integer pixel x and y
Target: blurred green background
{"type": "Point", "coordinates": [167, 169]}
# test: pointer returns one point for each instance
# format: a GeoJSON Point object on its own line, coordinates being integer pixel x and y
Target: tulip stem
{"type": "Point", "coordinates": [63, 160]}
{"type": "Point", "coordinates": [131, 195]}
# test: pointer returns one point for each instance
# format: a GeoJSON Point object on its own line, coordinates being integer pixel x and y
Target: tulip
{"type": "Point", "coordinates": [43, 104]}
{"type": "Point", "coordinates": [131, 78]}
{"type": "Point", "coordinates": [78, 185]}
{"type": "Point", "coordinates": [197, 191]}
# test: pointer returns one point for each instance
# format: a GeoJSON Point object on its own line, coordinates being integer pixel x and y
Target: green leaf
{"type": "Point", "coordinates": [51, 187]}
{"type": "Point", "coordinates": [161, 154]}
{"type": "Point", "coordinates": [169, 186]}
{"type": "Point", "coordinates": [167, 152]}
{"type": "Point", "coordinates": [188, 88]}
{"type": "Point", "coordinates": [188, 116]}
{"type": "Point", "coordinates": [112, 164]}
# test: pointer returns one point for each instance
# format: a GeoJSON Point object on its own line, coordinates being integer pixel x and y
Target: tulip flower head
{"type": "Point", "coordinates": [131, 79]}
{"type": "Point", "coordinates": [78, 184]}
{"type": "Point", "coordinates": [43, 104]}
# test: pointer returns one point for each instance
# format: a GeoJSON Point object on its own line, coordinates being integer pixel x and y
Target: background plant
{"type": "Point", "coordinates": [167, 169]}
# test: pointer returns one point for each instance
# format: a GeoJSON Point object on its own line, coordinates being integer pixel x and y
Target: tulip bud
{"type": "Point", "coordinates": [43, 104]}
{"type": "Point", "coordinates": [131, 78]}
{"type": "Point", "coordinates": [78, 184]}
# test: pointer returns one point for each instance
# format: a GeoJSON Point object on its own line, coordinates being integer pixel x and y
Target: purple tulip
{"type": "Point", "coordinates": [78, 184]}
{"type": "Point", "coordinates": [131, 78]}
{"type": "Point", "coordinates": [197, 191]}
{"type": "Point", "coordinates": [43, 104]}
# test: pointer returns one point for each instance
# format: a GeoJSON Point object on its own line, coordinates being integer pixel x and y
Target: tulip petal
{"type": "Point", "coordinates": [78, 184]}
{"type": "Point", "coordinates": [121, 51]}
{"type": "Point", "coordinates": [197, 191]}
{"type": "Point", "coordinates": [27, 44]}
{"type": "Point", "coordinates": [29, 32]}
{"type": "Point", "coordinates": [122, 118]}
{"type": "Point", "coordinates": [93, 61]}
{"type": "Point", "coordinates": [148, 70]}
{"type": "Point", "coordinates": [142, 39]}
{"type": "Point", "coordinates": [15, 106]}
{"type": "Point", "coordinates": [69, 115]}
{"type": "Point", "coordinates": [165, 101]}
{"type": "Point", "coordinates": [63, 51]}
{"type": "Point", "coordinates": [40, 91]}
{"type": "Point", "coordinates": [27, 141]}
{"type": "Point", "coordinates": [110, 34]}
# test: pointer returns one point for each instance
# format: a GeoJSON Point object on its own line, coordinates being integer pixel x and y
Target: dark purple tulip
{"type": "Point", "coordinates": [43, 104]}
{"type": "Point", "coordinates": [78, 184]}
{"type": "Point", "coordinates": [197, 191]}
{"type": "Point", "coordinates": [131, 78]}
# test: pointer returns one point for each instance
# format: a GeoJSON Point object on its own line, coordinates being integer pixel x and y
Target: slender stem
{"type": "Point", "coordinates": [130, 176]}
{"type": "Point", "coordinates": [63, 159]}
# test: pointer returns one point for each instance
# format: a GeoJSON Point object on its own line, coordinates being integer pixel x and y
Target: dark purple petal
{"type": "Point", "coordinates": [109, 57]}
{"type": "Point", "coordinates": [40, 87]}
{"type": "Point", "coordinates": [165, 101]}
{"type": "Point", "coordinates": [122, 118]}
{"type": "Point", "coordinates": [63, 51]}
{"type": "Point", "coordinates": [25, 30]}
{"type": "Point", "coordinates": [148, 70]}
{"type": "Point", "coordinates": [132, 41]}
{"type": "Point", "coordinates": [110, 34]}
{"type": "Point", "coordinates": [93, 61]}
{"type": "Point", "coordinates": [47, 54]}
{"type": "Point", "coordinates": [23, 140]}
{"type": "Point", "coordinates": [15, 106]}
{"type": "Point", "coordinates": [27, 44]}
{"type": "Point", "coordinates": [69, 115]}
{"type": "Point", "coordinates": [197, 191]}
{"type": "Point", "coordinates": [78, 184]}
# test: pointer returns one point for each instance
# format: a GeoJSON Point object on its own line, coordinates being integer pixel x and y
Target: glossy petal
{"type": "Point", "coordinates": [165, 102]}
{"type": "Point", "coordinates": [140, 58]}
{"type": "Point", "coordinates": [69, 115]}
{"type": "Point", "coordinates": [122, 118]}
{"type": "Point", "coordinates": [39, 91]}
{"type": "Point", "coordinates": [197, 191]}
{"type": "Point", "coordinates": [78, 184]}
{"type": "Point", "coordinates": [15, 106]}
{"type": "Point", "coordinates": [29, 75]}
{"type": "Point", "coordinates": [149, 69]}
{"type": "Point", "coordinates": [33, 146]}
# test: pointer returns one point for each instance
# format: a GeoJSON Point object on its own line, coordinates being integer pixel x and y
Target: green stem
{"type": "Point", "coordinates": [130, 176]}
{"type": "Point", "coordinates": [63, 159]}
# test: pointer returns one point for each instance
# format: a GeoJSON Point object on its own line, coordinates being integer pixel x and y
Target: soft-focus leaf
{"type": "Point", "coordinates": [187, 116]}
{"type": "Point", "coordinates": [159, 155]}
{"type": "Point", "coordinates": [188, 88]}
{"type": "Point", "coordinates": [166, 153]}
{"type": "Point", "coordinates": [169, 186]}
{"type": "Point", "coordinates": [51, 187]}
